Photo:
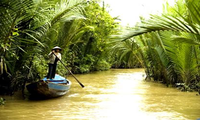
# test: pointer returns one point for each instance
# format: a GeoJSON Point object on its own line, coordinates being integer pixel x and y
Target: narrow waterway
{"type": "Point", "coordinates": [118, 94]}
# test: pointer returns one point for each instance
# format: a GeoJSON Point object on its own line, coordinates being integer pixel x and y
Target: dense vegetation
{"type": "Point", "coordinates": [29, 29]}
{"type": "Point", "coordinates": [167, 46]}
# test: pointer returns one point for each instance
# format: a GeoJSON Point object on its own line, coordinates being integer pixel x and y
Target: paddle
{"type": "Point", "coordinates": [70, 72]}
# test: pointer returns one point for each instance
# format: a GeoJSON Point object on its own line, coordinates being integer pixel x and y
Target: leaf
{"type": "Point", "coordinates": [15, 33]}
{"type": "Point", "coordinates": [1, 65]}
{"type": "Point", "coordinates": [181, 39]}
{"type": "Point", "coordinates": [35, 39]}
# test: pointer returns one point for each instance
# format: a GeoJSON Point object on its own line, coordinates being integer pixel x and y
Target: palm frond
{"type": "Point", "coordinates": [182, 39]}
{"type": "Point", "coordinates": [168, 23]}
{"type": "Point", "coordinates": [74, 6]}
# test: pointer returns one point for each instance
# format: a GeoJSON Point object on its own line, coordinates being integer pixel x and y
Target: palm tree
{"type": "Point", "coordinates": [126, 53]}
{"type": "Point", "coordinates": [171, 48]}
{"type": "Point", "coordinates": [24, 27]}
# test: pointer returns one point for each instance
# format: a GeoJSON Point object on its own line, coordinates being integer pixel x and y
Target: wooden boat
{"type": "Point", "coordinates": [52, 88]}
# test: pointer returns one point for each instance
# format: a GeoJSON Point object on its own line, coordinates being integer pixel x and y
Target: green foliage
{"type": "Point", "coordinates": [41, 65]}
{"type": "Point", "coordinates": [84, 68]}
{"type": "Point", "coordinates": [198, 85]}
{"type": "Point", "coordinates": [84, 52]}
{"type": "Point", "coordinates": [86, 63]}
{"type": "Point", "coordinates": [170, 44]}
{"type": "Point", "coordinates": [29, 29]}
{"type": "Point", "coordinates": [25, 26]}
{"type": "Point", "coordinates": [2, 101]}
{"type": "Point", "coordinates": [102, 65]}
{"type": "Point", "coordinates": [126, 54]}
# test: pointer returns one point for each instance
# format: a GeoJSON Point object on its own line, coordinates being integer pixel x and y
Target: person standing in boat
{"type": "Point", "coordinates": [54, 57]}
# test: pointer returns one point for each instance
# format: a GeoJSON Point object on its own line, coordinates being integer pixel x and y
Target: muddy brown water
{"type": "Point", "coordinates": [117, 94]}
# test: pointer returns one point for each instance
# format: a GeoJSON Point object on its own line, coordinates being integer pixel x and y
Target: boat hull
{"type": "Point", "coordinates": [43, 89]}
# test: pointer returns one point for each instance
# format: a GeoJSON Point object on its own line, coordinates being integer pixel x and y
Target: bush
{"type": "Point", "coordinates": [41, 65]}
{"type": "Point", "coordinates": [102, 65]}
{"type": "Point", "coordinates": [84, 68]}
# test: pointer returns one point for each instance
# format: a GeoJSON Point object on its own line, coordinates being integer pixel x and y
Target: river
{"type": "Point", "coordinates": [117, 94]}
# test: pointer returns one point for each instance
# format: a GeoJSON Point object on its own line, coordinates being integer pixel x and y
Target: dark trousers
{"type": "Point", "coordinates": [52, 71]}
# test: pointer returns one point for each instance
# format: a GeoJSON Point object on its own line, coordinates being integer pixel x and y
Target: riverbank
{"type": "Point", "coordinates": [180, 86]}
{"type": "Point", "coordinates": [114, 94]}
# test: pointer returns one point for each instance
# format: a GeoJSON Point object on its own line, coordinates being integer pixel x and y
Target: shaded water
{"type": "Point", "coordinates": [109, 95]}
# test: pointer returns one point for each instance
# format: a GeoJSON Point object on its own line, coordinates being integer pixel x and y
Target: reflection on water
{"type": "Point", "coordinates": [109, 95]}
